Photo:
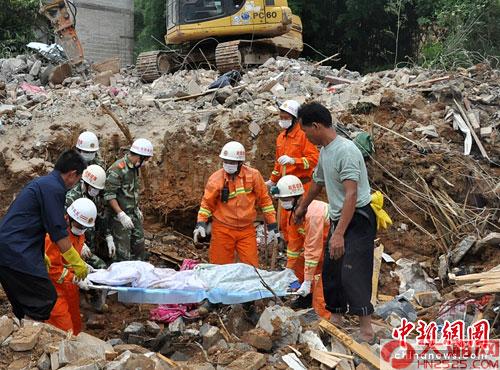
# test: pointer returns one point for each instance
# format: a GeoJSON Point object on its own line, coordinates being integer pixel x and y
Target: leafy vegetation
{"type": "Point", "coordinates": [17, 20]}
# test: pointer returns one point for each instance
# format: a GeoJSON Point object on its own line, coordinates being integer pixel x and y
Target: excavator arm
{"type": "Point", "coordinates": [61, 14]}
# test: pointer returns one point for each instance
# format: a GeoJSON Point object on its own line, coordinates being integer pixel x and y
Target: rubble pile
{"type": "Point", "coordinates": [279, 334]}
{"type": "Point", "coordinates": [435, 158]}
{"type": "Point", "coordinates": [421, 123]}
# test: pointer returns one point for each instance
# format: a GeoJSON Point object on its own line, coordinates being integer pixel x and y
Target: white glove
{"type": "Point", "coordinates": [270, 184]}
{"type": "Point", "coordinates": [141, 216]}
{"type": "Point", "coordinates": [272, 236]}
{"type": "Point", "coordinates": [90, 269]}
{"type": "Point", "coordinates": [125, 220]}
{"type": "Point", "coordinates": [86, 252]}
{"type": "Point", "coordinates": [305, 288]}
{"type": "Point", "coordinates": [284, 159]}
{"type": "Point", "coordinates": [198, 232]}
{"type": "Point", "coordinates": [82, 284]}
{"type": "Point", "coordinates": [111, 246]}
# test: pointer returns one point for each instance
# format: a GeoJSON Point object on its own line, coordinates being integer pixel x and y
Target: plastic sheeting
{"type": "Point", "coordinates": [228, 284]}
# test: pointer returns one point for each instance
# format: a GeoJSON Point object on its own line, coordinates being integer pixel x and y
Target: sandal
{"type": "Point", "coordinates": [373, 340]}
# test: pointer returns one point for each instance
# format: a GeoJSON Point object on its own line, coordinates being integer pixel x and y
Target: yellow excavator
{"type": "Point", "coordinates": [230, 34]}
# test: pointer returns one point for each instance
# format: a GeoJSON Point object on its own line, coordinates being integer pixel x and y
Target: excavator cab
{"type": "Point", "coordinates": [193, 11]}
{"type": "Point", "coordinates": [189, 20]}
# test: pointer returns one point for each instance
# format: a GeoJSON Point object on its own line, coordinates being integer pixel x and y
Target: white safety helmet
{"type": "Point", "coordinates": [289, 186]}
{"type": "Point", "coordinates": [142, 147]}
{"type": "Point", "coordinates": [291, 107]}
{"type": "Point", "coordinates": [95, 176]}
{"type": "Point", "coordinates": [233, 151]}
{"type": "Point", "coordinates": [88, 142]}
{"type": "Point", "coordinates": [83, 211]}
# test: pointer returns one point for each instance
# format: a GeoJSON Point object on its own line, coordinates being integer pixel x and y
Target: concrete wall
{"type": "Point", "coordinates": [106, 29]}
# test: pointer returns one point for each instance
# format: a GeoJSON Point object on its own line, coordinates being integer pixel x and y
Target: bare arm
{"type": "Point", "coordinates": [115, 206]}
{"type": "Point", "coordinates": [351, 195]}
{"type": "Point", "coordinates": [311, 194]}
{"type": "Point", "coordinates": [348, 209]}
{"type": "Point", "coordinates": [64, 244]}
{"type": "Point", "coordinates": [301, 210]}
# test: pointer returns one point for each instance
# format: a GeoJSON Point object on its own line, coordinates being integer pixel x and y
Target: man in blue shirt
{"type": "Point", "coordinates": [38, 209]}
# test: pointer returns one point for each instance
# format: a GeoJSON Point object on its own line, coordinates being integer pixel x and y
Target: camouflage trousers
{"type": "Point", "coordinates": [91, 239]}
{"type": "Point", "coordinates": [129, 243]}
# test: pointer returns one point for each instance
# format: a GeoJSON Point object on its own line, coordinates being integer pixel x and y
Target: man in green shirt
{"type": "Point", "coordinates": [122, 194]}
{"type": "Point", "coordinates": [348, 263]}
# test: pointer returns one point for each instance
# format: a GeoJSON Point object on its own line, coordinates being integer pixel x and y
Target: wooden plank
{"type": "Point", "coordinates": [490, 288]}
{"type": "Point", "coordinates": [187, 97]}
{"type": "Point", "coordinates": [325, 358]}
{"type": "Point", "coordinates": [377, 262]}
{"type": "Point", "coordinates": [433, 81]}
{"type": "Point", "coordinates": [338, 80]}
{"type": "Point", "coordinates": [167, 360]}
{"type": "Point", "coordinates": [326, 59]}
{"type": "Point", "coordinates": [361, 350]}
{"type": "Point", "coordinates": [293, 361]}
{"type": "Point", "coordinates": [475, 277]}
{"type": "Point", "coordinates": [341, 355]}
{"type": "Point", "coordinates": [473, 133]}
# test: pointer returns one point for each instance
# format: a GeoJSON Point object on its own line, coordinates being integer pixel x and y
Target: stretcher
{"type": "Point", "coordinates": [227, 284]}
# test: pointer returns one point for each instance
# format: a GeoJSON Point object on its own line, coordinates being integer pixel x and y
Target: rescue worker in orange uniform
{"type": "Point", "coordinates": [230, 200]}
{"type": "Point", "coordinates": [65, 315]}
{"type": "Point", "coordinates": [308, 240]}
{"type": "Point", "coordinates": [295, 155]}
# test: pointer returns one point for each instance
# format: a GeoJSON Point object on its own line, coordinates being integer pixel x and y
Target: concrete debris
{"type": "Point", "coordinates": [456, 255]}
{"type": "Point", "coordinates": [6, 328]}
{"type": "Point", "coordinates": [412, 276]}
{"type": "Point", "coordinates": [43, 362]}
{"type": "Point", "coordinates": [25, 339]}
{"type": "Point", "coordinates": [71, 351]}
{"type": "Point", "coordinates": [258, 338]}
{"type": "Point", "coordinates": [282, 324]}
{"type": "Point", "coordinates": [177, 326]}
{"type": "Point", "coordinates": [427, 299]}
{"type": "Point", "coordinates": [249, 361]}
{"type": "Point", "coordinates": [211, 337]}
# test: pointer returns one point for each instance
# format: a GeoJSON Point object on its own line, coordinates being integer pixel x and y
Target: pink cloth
{"type": "Point", "coordinates": [32, 89]}
{"type": "Point", "coordinates": [168, 313]}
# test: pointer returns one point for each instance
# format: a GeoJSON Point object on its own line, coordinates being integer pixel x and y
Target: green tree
{"type": "Point", "coordinates": [17, 21]}
{"type": "Point", "coordinates": [150, 24]}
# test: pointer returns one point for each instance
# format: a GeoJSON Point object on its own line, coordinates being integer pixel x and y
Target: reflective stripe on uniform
{"type": "Point", "coordinates": [275, 173]}
{"type": "Point", "coordinates": [239, 191]}
{"type": "Point", "coordinates": [301, 231]}
{"type": "Point", "coordinates": [63, 276]}
{"type": "Point", "coordinates": [268, 209]}
{"type": "Point", "coordinates": [306, 163]}
{"type": "Point", "coordinates": [205, 212]}
{"type": "Point", "coordinates": [292, 254]}
{"type": "Point", "coordinates": [310, 263]}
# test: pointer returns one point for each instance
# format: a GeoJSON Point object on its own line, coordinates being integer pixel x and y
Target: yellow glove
{"type": "Point", "coordinates": [383, 219]}
{"type": "Point", "coordinates": [76, 262]}
{"type": "Point", "coordinates": [47, 262]}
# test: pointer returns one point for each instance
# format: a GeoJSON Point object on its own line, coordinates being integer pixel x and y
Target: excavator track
{"type": "Point", "coordinates": [153, 64]}
{"type": "Point", "coordinates": [228, 56]}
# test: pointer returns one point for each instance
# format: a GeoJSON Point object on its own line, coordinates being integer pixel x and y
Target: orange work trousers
{"type": "Point", "coordinates": [226, 242]}
{"type": "Point", "coordinates": [285, 221]}
{"type": "Point", "coordinates": [66, 312]}
{"type": "Point", "coordinates": [318, 298]}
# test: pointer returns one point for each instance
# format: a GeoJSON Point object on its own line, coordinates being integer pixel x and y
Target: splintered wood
{"type": "Point", "coordinates": [481, 283]}
{"type": "Point", "coordinates": [356, 347]}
